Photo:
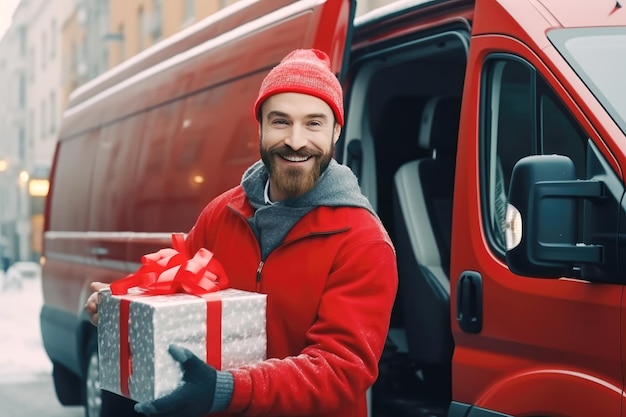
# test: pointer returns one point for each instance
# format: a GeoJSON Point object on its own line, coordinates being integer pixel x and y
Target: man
{"type": "Point", "coordinates": [298, 229]}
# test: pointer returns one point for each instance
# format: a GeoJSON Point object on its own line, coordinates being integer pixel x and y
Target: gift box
{"type": "Point", "coordinates": [225, 328]}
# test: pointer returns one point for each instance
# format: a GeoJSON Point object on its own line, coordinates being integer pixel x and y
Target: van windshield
{"type": "Point", "coordinates": [597, 55]}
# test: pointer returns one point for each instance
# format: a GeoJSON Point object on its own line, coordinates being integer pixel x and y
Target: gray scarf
{"type": "Point", "coordinates": [337, 187]}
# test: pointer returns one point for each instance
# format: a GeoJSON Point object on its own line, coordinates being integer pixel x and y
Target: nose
{"type": "Point", "coordinates": [296, 139]}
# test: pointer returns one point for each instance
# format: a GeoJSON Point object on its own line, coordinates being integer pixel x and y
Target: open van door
{"type": "Point", "coordinates": [539, 335]}
{"type": "Point", "coordinates": [334, 31]}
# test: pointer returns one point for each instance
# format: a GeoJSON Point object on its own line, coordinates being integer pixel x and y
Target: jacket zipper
{"type": "Point", "coordinates": [262, 263]}
{"type": "Point", "coordinates": [260, 267]}
{"type": "Point", "coordinates": [258, 276]}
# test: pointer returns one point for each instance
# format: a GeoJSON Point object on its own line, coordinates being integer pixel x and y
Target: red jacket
{"type": "Point", "coordinates": [331, 286]}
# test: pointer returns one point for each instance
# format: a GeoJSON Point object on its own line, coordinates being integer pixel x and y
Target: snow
{"type": "Point", "coordinates": [23, 357]}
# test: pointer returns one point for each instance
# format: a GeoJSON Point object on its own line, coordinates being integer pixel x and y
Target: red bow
{"type": "Point", "coordinates": [171, 270]}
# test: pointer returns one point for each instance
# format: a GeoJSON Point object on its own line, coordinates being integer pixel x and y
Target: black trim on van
{"type": "Point", "coordinates": [58, 331]}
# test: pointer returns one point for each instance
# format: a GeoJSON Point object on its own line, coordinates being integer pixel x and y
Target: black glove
{"type": "Point", "coordinates": [193, 398]}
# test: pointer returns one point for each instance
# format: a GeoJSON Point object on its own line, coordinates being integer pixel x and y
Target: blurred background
{"type": "Point", "coordinates": [47, 49]}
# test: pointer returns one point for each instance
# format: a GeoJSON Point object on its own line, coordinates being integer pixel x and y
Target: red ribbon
{"type": "Point", "coordinates": [171, 271]}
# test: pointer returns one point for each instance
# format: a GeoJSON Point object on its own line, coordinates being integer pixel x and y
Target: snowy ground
{"type": "Point", "coordinates": [23, 357]}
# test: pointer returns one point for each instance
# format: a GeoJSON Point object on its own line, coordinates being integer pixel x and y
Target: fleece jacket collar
{"type": "Point", "coordinates": [337, 187]}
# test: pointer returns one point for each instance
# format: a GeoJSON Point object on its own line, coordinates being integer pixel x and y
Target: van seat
{"type": "Point", "coordinates": [422, 204]}
{"type": "Point", "coordinates": [394, 131]}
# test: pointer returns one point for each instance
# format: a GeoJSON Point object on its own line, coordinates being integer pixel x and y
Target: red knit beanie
{"type": "Point", "coordinates": [305, 71]}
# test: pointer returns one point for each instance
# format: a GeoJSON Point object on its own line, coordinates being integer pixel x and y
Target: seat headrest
{"type": "Point", "coordinates": [440, 124]}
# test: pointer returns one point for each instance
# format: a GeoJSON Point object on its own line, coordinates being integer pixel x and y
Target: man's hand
{"type": "Point", "coordinates": [193, 398]}
{"type": "Point", "coordinates": [91, 306]}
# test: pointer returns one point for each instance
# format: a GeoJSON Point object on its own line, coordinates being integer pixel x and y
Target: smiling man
{"type": "Point", "coordinates": [298, 135]}
{"type": "Point", "coordinates": [298, 229]}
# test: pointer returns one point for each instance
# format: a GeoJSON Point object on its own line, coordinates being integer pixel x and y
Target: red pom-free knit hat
{"type": "Point", "coordinates": [305, 71]}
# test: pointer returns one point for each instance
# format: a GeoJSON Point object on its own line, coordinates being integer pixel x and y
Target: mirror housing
{"type": "Point", "coordinates": [545, 192]}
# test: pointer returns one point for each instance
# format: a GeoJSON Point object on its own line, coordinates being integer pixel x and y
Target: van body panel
{"type": "Point", "coordinates": [593, 13]}
{"type": "Point", "coordinates": [516, 363]}
{"type": "Point", "coordinates": [536, 16]}
{"type": "Point", "coordinates": [146, 146]}
{"type": "Point", "coordinates": [623, 351]}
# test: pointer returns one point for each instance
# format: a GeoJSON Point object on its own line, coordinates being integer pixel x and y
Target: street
{"type": "Point", "coordinates": [26, 388]}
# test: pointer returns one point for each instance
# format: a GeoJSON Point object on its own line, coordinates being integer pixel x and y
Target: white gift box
{"type": "Point", "coordinates": [234, 327]}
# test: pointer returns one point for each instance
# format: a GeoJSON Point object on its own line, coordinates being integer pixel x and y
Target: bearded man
{"type": "Point", "coordinates": [298, 229]}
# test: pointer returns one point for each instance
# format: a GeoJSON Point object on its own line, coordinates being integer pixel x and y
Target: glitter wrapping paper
{"type": "Point", "coordinates": [155, 322]}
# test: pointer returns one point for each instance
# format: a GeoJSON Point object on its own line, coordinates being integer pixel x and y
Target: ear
{"type": "Point", "coordinates": [336, 132]}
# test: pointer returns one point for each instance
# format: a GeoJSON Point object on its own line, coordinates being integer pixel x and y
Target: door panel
{"type": "Point", "coordinates": [546, 347]}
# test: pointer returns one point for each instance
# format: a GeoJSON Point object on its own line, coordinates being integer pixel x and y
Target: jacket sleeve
{"type": "Point", "coordinates": [344, 344]}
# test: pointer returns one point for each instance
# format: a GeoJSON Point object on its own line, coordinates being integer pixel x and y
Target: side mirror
{"type": "Point", "coordinates": [542, 218]}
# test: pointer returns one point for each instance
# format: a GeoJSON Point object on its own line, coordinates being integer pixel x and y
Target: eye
{"type": "Point", "coordinates": [315, 123]}
{"type": "Point", "coordinates": [279, 122]}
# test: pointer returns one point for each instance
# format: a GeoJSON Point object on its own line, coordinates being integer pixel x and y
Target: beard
{"type": "Point", "coordinates": [293, 182]}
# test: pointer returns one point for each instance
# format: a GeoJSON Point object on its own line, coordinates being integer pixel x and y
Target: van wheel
{"type": "Point", "coordinates": [93, 394]}
{"type": "Point", "coordinates": [99, 403]}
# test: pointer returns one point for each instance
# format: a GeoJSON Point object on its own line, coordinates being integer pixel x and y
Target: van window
{"type": "Point", "coordinates": [201, 161]}
{"type": "Point", "coordinates": [161, 126]}
{"type": "Point", "coordinates": [115, 163]}
{"type": "Point", "coordinates": [522, 116]}
{"type": "Point", "coordinates": [69, 199]}
{"type": "Point", "coordinates": [596, 54]}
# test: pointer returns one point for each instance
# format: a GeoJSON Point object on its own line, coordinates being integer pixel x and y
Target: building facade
{"type": "Point", "coordinates": [16, 153]}
{"type": "Point", "coordinates": [45, 104]}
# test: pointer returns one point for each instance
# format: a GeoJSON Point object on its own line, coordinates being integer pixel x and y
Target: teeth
{"type": "Point", "coordinates": [296, 158]}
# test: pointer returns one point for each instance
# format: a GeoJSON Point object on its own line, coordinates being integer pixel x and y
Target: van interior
{"type": "Point", "coordinates": [400, 140]}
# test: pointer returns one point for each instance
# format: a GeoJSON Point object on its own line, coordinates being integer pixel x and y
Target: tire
{"type": "Point", "coordinates": [92, 398]}
{"type": "Point", "coordinates": [99, 403]}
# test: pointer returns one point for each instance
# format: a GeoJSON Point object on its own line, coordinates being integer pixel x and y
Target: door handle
{"type": "Point", "coordinates": [469, 302]}
{"type": "Point", "coordinates": [99, 251]}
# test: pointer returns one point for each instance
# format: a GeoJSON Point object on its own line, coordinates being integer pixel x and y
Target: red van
{"type": "Point", "coordinates": [489, 136]}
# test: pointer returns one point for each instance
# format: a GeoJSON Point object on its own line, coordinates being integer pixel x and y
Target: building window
{"type": "Point", "coordinates": [53, 38]}
{"type": "Point", "coordinates": [84, 61]}
{"type": "Point", "coordinates": [43, 51]}
{"type": "Point", "coordinates": [32, 68]}
{"type": "Point", "coordinates": [141, 25]}
{"type": "Point", "coordinates": [22, 90]}
{"type": "Point", "coordinates": [23, 41]}
{"type": "Point", "coordinates": [156, 24]}
{"type": "Point", "coordinates": [102, 67]}
{"type": "Point", "coordinates": [74, 59]}
{"type": "Point", "coordinates": [43, 119]}
{"type": "Point", "coordinates": [189, 12]}
{"type": "Point", "coordinates": [122, 46]}
{"type": "Point", "coordinates": [53, 115]}
{"type": "Point", "coordinates": [31, 127]}
{"type": "Point", "coordinates": [22, 143]}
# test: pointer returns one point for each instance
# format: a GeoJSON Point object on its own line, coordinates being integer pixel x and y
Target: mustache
{"type": "Point", "coordinates": [286, 151]}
